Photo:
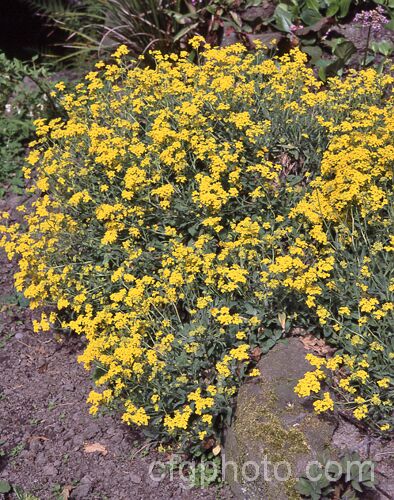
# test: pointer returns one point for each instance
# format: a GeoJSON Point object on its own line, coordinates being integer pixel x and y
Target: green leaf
{"type": "Point", "coordinates": [98, 372]}
{"type": "Point", "coordinates": [369, 484]}
{"type": "Point", "coordinates": [211, 9]}
{"type": "Point", "coordinates": [316, 495]}
{"type": "Point", "coordinates": [334, 42]}
{"type": "Point", "coordinates": [389, 3]}
{"type": "Point", "coordinates": [283, 17]}
{"type": "Point", "coordinates": [385, 47]}
{"type": "Point", "coordinates": [322, 65]}
{"type": "Point", "coordinates": [184, 31]}
{"type": "Point", "coordinates": [315, 471]}
{"type": "Point", "coordinates": [332, 9]}
{"type": "Point", "coordinates": [355, 485]}
{"type": "Point", "coordinates": [181, 18]}
{"type": "Point", "coordinates": [313, 5]}
{"type": "Point", "coordinates": [390, 25]}
{"type": "Point", "coordinates": [314, 52]}
{"type": "Point", "coordinates": [253, 3]}
{"type": "Point", "coordinates": [303, 486]}
{"type": "Point", "coordinates": [236, 18]}
{"type": "Point", "coordinates": [324, 482]}
{"type": "Point", "coordinates": [5, 487]}
{"type": "Point", "coordinates": [269, 344]}
{"type": "Point", "coordinates": [22, 301]}
{"type": "Point", "coordinates": [332, 470]}
{"type": "Point", "coordinates": [344, 6]}
{"type": "Point", "coordinates": [354, 470]}
{"type": "Point", "coordinates": [344, 50]}
{"type": "Point", "coordinates": [310, 41]}
{"type": "Point", "coordinates": [310, 17]}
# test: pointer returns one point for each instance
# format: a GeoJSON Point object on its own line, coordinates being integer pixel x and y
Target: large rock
{"type": "Point", "coordinates": [275, 434]}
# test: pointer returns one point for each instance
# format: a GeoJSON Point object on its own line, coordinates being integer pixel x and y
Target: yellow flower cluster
{"type": "Point", "coordinates": [309, 383]}
{"type": "Point", "coordinates": [180, 209]}
{"type": "Point", "coordinates": [325, 404]}
{"type": "Point", "coordinates": [349, 385]}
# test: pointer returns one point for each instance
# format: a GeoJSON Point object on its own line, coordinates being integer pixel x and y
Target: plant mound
{"type": "Point", "coordinates": [190, 215]}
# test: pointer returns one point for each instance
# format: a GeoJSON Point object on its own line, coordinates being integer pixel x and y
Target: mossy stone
{"type": "Point", "coordinates": [274, 430]}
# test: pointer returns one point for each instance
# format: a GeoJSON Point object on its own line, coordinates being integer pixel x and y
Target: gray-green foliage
{"type": "Point", "coordinates": [349, 477]}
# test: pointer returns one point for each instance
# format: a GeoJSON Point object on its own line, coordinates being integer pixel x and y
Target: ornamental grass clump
{"type": "Point", "coordinates": [188, 214]}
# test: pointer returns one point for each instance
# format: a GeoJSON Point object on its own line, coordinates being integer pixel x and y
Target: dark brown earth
{"type": "Point", "coordinates": [45, 425]}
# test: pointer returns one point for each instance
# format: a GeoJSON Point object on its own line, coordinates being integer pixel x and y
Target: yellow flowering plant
{"type": "Point", "coordinates": [349, 210]}
{"type": "Point", "coordinates": [177, 221]}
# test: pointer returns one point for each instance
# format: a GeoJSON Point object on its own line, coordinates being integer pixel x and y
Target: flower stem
{"type": "Point", "coordinates": [367, 46]}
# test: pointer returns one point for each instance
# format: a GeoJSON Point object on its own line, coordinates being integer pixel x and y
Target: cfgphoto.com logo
{"type": "Point", "coordinates": [189, 473]}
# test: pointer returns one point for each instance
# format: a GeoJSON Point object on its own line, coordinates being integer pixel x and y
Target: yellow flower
{"type": "Point", "coordinates": [60, 86]}
{"type": "Point", "coordinates": [308, 384]}
{"type": "Point", "coordinates": [196, 41]}
{"type": "Point", "coordinates": [356, 340]}
{"type": "Point", "coordinates": [315, 360]}
{"type": "Point", "coordinates": [384, 383]}
{"type": "Point", "coordinates": [375, 400]}
{"type": "Point", "coordinates": [344, 383]}
{"type": "Point", "coordinates": [122, 50]}
{"type": "Point", "coordinates": [375, 346]}
{"type": "Point", "coordinates": [360, 375]}
{"type": "Point", "coordinates": [240, 353]}
{"type": "Point", "coordinates": [212, 390]}
{"type": "Point", "coordinates": [325, 404]}
{"type": "Point", "coordinates": [254, 373]}
{"type": "Point", "coordinates": [361, 412]}
{"type": "Point", "coordinates": [202, 435]}
{"type": "Point", "coordinates": [344, 311]}
{"type": "Point", "coordinates": [368, 305]}
{"type": "Point", "coordinates": [323, 314]}
{"type": "Point", "coordinates": [180, 419]}
{"type": "Point", "coordinates": [334, 362]}
{"type": "Point", "coordinates": [202, 302]}
{"type": "Point", "coordinates": [62, 303]}
{"type": "Point", "coordinates": [200, 402]}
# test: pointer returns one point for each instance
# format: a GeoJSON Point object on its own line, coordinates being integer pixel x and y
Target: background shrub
{"type": "Point", "coordinates": [24, 96]}
{"type": "Point", "coordinates": [335, 34]}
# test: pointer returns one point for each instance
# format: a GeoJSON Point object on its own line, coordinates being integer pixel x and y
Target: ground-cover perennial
{"type": "Point", "coordinates": [188, 213]}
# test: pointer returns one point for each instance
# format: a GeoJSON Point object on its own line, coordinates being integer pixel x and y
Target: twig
{"type": "Point", "coordinates": [367, 45]}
